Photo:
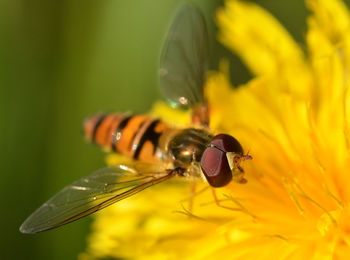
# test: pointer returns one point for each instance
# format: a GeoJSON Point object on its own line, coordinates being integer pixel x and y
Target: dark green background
{"type": "Point", "coordinates": [61, 60]}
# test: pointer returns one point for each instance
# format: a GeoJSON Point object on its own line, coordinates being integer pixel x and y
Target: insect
{"type": "Point", "coordinates": [192, 152]}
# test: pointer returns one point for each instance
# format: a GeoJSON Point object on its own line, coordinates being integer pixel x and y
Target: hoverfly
{"type": "Point", "coordinates": [192, 152]}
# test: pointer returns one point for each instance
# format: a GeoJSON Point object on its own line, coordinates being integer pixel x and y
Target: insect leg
{"type": "Point", "coordinates": [218, 202]}
{"type": "Point", "coordinates": [193, 193]}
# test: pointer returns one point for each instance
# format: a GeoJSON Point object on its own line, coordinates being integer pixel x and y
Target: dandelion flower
{"type": "Point", "coordinates": [293, 116]}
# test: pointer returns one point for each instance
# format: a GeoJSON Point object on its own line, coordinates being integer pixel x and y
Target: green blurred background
{"type": "Point", "coordinates": [61, 60]}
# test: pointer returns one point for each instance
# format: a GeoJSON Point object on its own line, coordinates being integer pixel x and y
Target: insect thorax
{"type": "Point", "coordinates": [188, 145]}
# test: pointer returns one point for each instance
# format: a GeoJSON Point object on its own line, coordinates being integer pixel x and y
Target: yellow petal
{"type": "Point", "coordinates": [328, 40]}
{"type": "Point", "coordinates": [296, 202]}
{"type": "Point", "coordinates": [263, 44]}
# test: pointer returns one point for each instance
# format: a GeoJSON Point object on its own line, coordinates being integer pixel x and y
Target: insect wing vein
{"type": "Point", "coordinates": [90, 194]}
{"type": "Point", "coordinates": [184, 59]}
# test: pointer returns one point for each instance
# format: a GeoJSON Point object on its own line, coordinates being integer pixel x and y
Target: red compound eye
{"type": "Point", "coordinates": [227, 143]}
{"type": "Point", "coordinates": [215, 167]}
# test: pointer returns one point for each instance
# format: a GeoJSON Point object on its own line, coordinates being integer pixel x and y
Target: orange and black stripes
{"type": "Point", "coordinates": [134, 136]}
{"type": "Point", "coordinates": [117, 131]}
{"type": "Point", "coordinates": [149, 135]}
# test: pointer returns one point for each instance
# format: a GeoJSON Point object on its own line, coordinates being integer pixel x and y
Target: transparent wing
{"type": "Point", "coordinates": [184, 59]}
{"type": "Point", "coordinates": [90, 194]}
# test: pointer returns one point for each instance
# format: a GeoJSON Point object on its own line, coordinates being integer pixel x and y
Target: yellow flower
{"type": "Point", "coordinates": [293, 117]}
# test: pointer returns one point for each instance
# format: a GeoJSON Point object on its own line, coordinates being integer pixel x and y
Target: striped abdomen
{"type": "Point", "coordinates": [136, 136]}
